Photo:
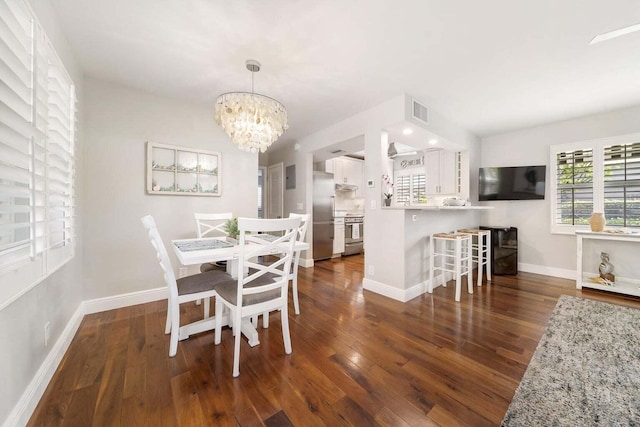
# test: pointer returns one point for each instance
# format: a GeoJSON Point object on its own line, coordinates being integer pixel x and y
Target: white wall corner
{"type": "Point", "coordinates": [306, 262]}
{"type": "Point", "coordinates": [547, 271]}
{"type": "Point", "coordinates": [124, 300]}
{"type": "Point", "coordinates": [24, 408]}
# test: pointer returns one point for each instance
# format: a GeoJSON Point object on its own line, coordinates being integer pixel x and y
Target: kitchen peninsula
{"type": "Point", "coordinates": [437, 208]}
{"type": "Point", "coordinates": [407, 245]}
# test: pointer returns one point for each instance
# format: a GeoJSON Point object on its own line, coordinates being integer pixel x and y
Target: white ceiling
{"type": "Point", "coordinates": [490, 66]}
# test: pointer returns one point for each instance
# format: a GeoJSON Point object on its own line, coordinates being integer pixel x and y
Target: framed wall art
{"type": "Point", "coordinates": [183, 171]}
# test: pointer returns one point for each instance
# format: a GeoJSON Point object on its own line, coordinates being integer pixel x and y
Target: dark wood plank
{"type": "Point", "coordinates": [358, 359]}
{"type": "Point", "coordinates": [185, 398]}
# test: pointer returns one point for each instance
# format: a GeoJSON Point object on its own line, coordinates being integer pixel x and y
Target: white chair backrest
{"type": "Point", "coordinates": [210, 225]}
{"type": "Point", "coordinates": [161, 252]}
{"type": "Point", "coordinates": [254, 245]}
{"type": "Point", "coordinates": [304, 224]}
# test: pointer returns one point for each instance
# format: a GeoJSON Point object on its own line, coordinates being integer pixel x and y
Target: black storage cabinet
{"type": "Point", "coordinates": [504, 250]}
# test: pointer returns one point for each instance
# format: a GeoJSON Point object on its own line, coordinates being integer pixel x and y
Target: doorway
{"type": "Point", "coordinates": [275, 190]}
{"type": "Point", "coordinates": [262, 191]}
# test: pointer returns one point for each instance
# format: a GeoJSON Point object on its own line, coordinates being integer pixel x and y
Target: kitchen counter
{"type": "Point", "coordinates": [437, 208]}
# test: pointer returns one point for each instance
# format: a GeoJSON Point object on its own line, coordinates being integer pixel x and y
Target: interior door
{"type": "Point", "coordinates": [262, 191]}
{"type": "Point", "coordinates": [275, 190]}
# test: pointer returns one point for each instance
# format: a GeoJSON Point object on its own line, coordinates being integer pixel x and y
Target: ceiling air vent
{"type": "Point", "coordinates": [420, 112]}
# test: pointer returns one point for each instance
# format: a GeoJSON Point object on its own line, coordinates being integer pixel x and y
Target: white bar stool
{"type": "Point", "coordinates": [481, 245]}
{"type": "Point", "coordinates": [453, 251]}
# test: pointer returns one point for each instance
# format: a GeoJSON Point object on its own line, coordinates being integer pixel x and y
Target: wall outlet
{"type": "Point", "coordinates": [300, 206]}
{"type": "Point", "coordinates": [47, 333]}
{"type": "Point", "coordinates": [372, 270]}
{"type": "Point", "coordinates": [182, 272]}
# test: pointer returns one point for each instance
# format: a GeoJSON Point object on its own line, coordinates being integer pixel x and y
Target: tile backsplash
{"type": "Point", "coordinates": [346, 201]}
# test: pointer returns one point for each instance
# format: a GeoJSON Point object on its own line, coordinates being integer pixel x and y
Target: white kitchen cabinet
{"type": "Point", "coordinates": [622, 249]}
{"type": "Point", "coordinates": [441, 172]}
{"type": "Point", "coordinates": [338, 236]}
{"type": "Point", "coordinates": [329, 166]}
{"type": "Point", "coordinates": [348, 171]}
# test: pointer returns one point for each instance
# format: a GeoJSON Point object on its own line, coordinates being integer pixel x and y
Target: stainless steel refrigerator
{"type": "Point", "coordinates": [323, 205]}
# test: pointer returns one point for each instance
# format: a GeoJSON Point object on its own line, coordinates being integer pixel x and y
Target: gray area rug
{"type": "Point", "coordinates": [585, 370]}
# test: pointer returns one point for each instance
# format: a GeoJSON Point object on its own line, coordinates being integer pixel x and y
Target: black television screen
{"type": "Point", "coordinates": [512, 183]}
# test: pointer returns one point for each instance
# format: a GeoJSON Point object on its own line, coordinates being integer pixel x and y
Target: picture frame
{"type": "Point", "coordinates": [182, 171]}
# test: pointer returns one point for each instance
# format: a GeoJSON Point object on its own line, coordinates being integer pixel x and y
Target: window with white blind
{"type": "Point", "coordinates": [418, 188]}
{"type": "Point", "coordinates": [622, 184]}
{"type": "Point", "coordinates": [37, 125]}
{"type": "Point", "coordinates": [596, 176]}
{"type": "Point", "coordinates": [402, 188]}
{"type": "Point", "coordinates": [574, 193]}
{"type": "Point", "coordinates": [410, 187]}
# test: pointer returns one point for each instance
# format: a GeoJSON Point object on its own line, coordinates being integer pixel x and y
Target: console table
{"type": "Point", "coordinates": [624, 253]}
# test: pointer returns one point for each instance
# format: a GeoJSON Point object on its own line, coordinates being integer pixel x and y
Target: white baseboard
{"type": "Point", "coordinates": [547, 271]}
{"type": "Point", "coordinates": [402, 295]}
{"type": "Point", "coordinates": [124, 300]}
{"type": "Point", "coordinates": [23, 410]}
{"type": "Point", "coordinates": [383, 289]}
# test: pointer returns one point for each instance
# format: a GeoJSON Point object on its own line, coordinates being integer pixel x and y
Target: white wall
{"type": "Point", "coordinates": [57, 298]}
{"type": "Point", "coordinates": [118, 255]}
{"type": "Point", "coordinates": [539, 251]}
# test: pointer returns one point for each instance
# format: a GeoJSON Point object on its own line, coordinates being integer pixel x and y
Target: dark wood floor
{"type": "Point", "coordinates": [358, 359]}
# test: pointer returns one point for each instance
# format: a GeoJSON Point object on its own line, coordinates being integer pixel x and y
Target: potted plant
{"type": "Point", "coordinates": [231, 228]}
{"type": "Point", "coordinates": [389, 194]}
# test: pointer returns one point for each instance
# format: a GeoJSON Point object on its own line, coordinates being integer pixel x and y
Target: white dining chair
{"type": "Point", "coordinates": [265, 288]}
{"type": "Point", "coordinates": [186, 289]}
{"type": "Point", "coordinates": [293, 276]}
{"type": "Point", "coordinates": [211, 225]}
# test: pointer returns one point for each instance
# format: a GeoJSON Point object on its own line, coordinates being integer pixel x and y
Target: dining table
{"type": "Point", "coordinates": [210, 250]}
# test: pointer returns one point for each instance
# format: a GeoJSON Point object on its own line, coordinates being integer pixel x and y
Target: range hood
{"type": "Point", "coordinates": [346, 187]}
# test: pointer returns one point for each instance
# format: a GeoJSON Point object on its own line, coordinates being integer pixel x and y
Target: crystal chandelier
{"type": "Point", "coordinates": [251, 120]}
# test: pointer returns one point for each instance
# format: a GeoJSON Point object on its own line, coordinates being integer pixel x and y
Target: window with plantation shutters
{"type": "Point", "coordinates": [16, 134]}
{"type": "Point", "coordinates": [37, 131]}
{"type": "Point", "coordinates": [574, 192]}
{"type": "Point", "coordinates": [409, 187]}
{"type": "Point", "coordinates": [59, 151]}
{"type": "Point", "coordinates": [596, 176]}
{"type": "Point", "coordinates": [402, 188]}
{"type": "Point", "coordinates": [622, 184]}
{"type": "Point", "coordinates": [418, 188]}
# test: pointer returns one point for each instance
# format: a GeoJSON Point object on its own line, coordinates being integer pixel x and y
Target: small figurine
{"type": "Point", "coordinates": [606, 268]}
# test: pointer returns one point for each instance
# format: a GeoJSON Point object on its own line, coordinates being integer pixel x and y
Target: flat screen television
{"type": "Point", "coordinates": [512, 183]}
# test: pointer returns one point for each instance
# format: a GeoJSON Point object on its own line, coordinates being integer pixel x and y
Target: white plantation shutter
{"type": "Point", "coordinates": [402, 188]}
{"type": "Point", "coordinates": [418, 187]}
{"type": "Point", "coordinates": [37, 131]}
{"type": "Point", "coordinates": [59, 154]}
{"type": "Point", "coordinates": [622, 184]}
{"type": "Point", "coordinates": [574, 190]}
{"type": "Point", "coordinates": [40, 141]}
{"type": "Point", "coordinates": [16, 131]}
